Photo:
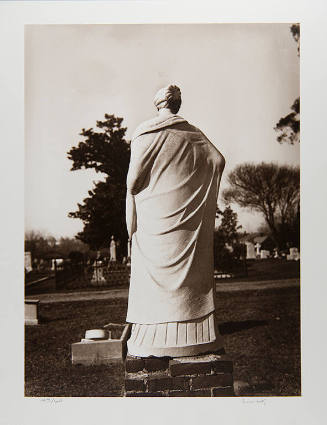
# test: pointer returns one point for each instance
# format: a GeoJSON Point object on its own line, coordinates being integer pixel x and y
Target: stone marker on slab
{"type": "Point", "coordinates": [31, 312]}
{"type": "Point", "coordinates": [101, 346]}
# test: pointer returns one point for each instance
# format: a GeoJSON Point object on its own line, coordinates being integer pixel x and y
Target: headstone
{"type": "Point", "coordinates": [55, 262]}
{"type": "Point", "coordinates": [250, 251]}
{"type": "Point", "coordinates": [31, 312]}
{"type": "Point", "coordinates": [264, 254]}
{"type": "Point", "coordinates": [28, 261]}
{"type": "Point", "coordinates": [294, 254]}
{"type": "Point", "coordinates": [98, 278]}
{"type": "Point", "coordinates": [257, 247]}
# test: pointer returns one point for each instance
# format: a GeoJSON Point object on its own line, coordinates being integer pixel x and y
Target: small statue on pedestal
{"type": "Point", "coordinates": [113, 255]}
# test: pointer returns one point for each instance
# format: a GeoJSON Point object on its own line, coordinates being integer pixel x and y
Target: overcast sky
{"type": "Point", "coordinates": [237, 80]}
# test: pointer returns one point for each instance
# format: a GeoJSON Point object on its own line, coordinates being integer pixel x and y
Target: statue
{"type": "Point", "coordinates": [113, 256]}
{"type": "Point", "coordinates": [172, 188]}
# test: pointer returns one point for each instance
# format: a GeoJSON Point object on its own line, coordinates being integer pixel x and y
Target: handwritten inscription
{"type": "Point", "coordinates": [261, 402]}
{"type": "Point", "coordinates": [51, 400]}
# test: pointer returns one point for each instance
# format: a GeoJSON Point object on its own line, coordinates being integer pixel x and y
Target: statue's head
{"type": "Point", "coordinates": [168, 97]}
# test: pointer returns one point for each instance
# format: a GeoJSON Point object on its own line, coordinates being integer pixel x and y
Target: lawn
{"type": "Point", "coordinates": [261, 330]}
{"type": "Point", "coordinates": [269, 269]}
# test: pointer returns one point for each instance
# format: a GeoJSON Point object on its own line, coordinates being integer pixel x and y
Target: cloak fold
{"type": "Point", "coordinates": [174, 175]}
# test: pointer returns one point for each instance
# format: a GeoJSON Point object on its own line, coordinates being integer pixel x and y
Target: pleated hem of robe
{"type": "Point", "coordinates": [175, 339]}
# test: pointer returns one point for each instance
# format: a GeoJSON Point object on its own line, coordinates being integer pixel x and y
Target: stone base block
{"type": "Point", "coordinates": [198, 376]}
{"type": "Point", "coordinates": [96, 352]}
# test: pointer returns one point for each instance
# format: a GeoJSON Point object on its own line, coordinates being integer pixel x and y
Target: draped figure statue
{"type": "Point", "coordinates": [172, 189]}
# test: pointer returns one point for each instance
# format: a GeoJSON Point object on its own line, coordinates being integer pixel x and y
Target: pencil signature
{"type": "Point", "coordinates": [261, 402]}
{"type": "Point", "coordinates": [51, 400]}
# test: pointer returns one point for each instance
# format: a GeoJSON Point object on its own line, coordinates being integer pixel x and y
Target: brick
{"type": "Point", "coordinates": [134, 385]}
{"type": "Point", "coordinates": [167, 383]}
{"type": "Point", "coordinates": [178, 368]}
{"type": "Point", "coordinates": [223, 392]}
{"type": "Point", "coordinates": [134, 364]}
{"type": "Point", "coordinates": [156, 364]}
{"type": "Point", "coordinates": [198, 393]}
{"type": "Point", "coordinates": [222, 366]}
{"type": "Point", "coordinates": [144, 394]}
{"type": "Point", "coordinates": [207, 381]}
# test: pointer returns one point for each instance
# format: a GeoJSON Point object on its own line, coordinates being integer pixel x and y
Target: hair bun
{"type": "Point", "coordinates": [173, 92]}
{"type": "Point", "coordinates": [168, 96]}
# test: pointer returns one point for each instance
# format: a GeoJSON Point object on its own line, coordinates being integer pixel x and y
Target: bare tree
{"type": "Point", "coordinates": [271, 190]}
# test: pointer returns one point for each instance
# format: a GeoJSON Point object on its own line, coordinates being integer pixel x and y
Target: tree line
{"type": "Point", "coordinates": [46, 247]}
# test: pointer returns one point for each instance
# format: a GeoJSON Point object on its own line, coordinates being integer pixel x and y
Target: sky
{"type": "Point", "coordinates": [237, 81]}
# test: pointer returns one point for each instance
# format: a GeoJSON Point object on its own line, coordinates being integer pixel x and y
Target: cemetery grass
{"type": "Point", "coordinates": [269, 269]}
{"type": "Point", "coordinates": [261, 331]}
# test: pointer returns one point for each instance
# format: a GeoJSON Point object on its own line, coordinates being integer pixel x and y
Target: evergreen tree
{"type": "Point", "coordinates": [103, 211]}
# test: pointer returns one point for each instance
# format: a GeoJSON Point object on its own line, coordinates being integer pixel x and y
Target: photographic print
{"type": "Point", "coordinates": [162, 210]}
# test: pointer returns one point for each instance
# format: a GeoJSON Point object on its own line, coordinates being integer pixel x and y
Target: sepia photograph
{"type": "Point", "coordinates": [162, 210]}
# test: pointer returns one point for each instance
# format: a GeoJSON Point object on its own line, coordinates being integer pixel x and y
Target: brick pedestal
{"type": "Point", "coordinates": [209, 375]}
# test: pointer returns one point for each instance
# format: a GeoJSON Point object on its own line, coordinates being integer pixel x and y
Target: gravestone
{"type": "Point", "coordinates": [257, 247]}
{"type": "Point", "coordinates": [98, 278]}
{"type": "Point", "coordinates": [28, 262]}
{"type": "Point", "coordinates": [250, 251]}
{"type": "Point", "coordinates": [294, 254]}
{"type": "Point", "coordinates": [264, 254]}
{"type": "Point", "coordinates": [31, 312]}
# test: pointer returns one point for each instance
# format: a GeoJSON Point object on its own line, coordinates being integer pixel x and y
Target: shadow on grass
{"type": "Point", "coordinates": [232, 327]}
{"type": "Point", "coordinates": [43, 320]}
